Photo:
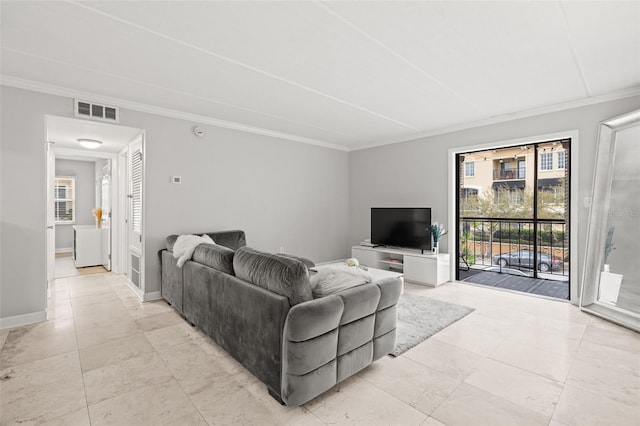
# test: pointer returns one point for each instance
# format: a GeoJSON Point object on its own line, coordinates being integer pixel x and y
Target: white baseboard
{"type": "Point", "coordinates": [144, 297]}
{"type": "Point", "coordinates": [154, 295]}
{"type": "Point", "coordinates": [135, 289]}
{"type": "Point", "coordinates": [25, 319]}
{"type": "Point", "coordinates": [64, 250]}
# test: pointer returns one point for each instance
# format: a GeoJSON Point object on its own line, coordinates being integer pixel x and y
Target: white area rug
{"type": "Point", "coordinates": [421, 317]}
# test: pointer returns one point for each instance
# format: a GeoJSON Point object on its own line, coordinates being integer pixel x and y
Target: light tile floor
{"type": "Point", "coordinates": [104, 358]}
{"type": "Point", "coordinates": [64, 267]}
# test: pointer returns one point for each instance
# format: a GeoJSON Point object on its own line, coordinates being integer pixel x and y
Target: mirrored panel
{"type": "Point", "coordinates": [611, 279]}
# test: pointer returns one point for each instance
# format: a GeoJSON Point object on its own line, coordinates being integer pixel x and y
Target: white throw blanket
{"type": "Point", "coordinates": [185, 246]}
{"type": "Point", "coordinates": [335, 278]}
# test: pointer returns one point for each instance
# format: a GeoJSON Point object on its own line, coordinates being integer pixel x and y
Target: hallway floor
{"type": "Point", "coordinates": [64, 267]}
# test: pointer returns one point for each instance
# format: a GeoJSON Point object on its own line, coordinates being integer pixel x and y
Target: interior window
{"type": "Point", "coordinates": [64, 195]}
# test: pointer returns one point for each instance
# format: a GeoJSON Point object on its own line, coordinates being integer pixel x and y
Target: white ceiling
{"type": "Point", "coordinates": [65, 132]}
{"type": "Point", "coordinates": [342, 74]}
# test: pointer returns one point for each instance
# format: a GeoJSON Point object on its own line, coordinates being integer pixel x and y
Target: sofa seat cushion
{"type": "Point", "coordinates": [215, 256]}
{"type": "Point", "coordinates": [333, 279]}
{"type": "Point", "coordinates": [279, 274]}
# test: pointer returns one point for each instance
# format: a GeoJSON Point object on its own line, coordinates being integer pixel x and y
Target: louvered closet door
{"type": "Point", "coordinates": [134, 219]}
{"type": "Point", "coordinates": [105, 202]}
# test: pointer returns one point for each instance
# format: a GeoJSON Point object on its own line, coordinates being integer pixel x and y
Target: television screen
{"type": "Point", "coordinates": [401, 227]}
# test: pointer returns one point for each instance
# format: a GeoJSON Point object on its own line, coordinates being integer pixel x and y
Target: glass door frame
{"type": "Point", "coordinates": [453, 219]}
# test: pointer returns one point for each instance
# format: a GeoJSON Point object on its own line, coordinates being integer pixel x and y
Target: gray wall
{"type": "Point", "coordinates": [85, 174]}
{"type": "Point", "coordinates": [281, 193]}
{"type": "Point", "coordinates": [23, 221]}
{"type": "Point", "coordinates": [313, 201]}
{"type": "Point", "coordinates": [415, 173]}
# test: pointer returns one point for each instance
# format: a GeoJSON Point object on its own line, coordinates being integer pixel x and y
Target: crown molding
{"type": "Point", "coordinates": [151, 109]}
{"type": "Point", "coordinates": [592, 100]}
{"type": "Point", "coordinates": [136, 106]}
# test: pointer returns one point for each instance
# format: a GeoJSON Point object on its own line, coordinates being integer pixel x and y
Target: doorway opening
{"type": "Point", "coordinates": [82, 246]}
{"type": "Point", "coordinates": [87, 202]}
{"type": "Point", "coordinates": [513, 217]}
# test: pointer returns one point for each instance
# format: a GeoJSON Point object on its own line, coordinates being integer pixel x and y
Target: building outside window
{"type": "Point", "coordinates": [562, 159]}
{"type": "Point", "coordinates": [470, 169]}
{"type": "Point", "coordinates": [546, 161]}
{"type": "Point", "coordinates": [469, 193]}
{"type": "Point", "coordinates": [522, 169]}
{"type": "Point", "coordinates": [64, 199]}
{"type": "Point", "coordinates": [509, 195]}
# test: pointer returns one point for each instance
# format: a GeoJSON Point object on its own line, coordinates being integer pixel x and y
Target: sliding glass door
{"type": "Point", "coordinates": [513, 217]}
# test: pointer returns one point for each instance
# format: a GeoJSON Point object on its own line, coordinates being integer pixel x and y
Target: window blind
{"type": "Point", "coordinates": [64, 198]}
{"type": "Point", "coordinates": [136, 191]}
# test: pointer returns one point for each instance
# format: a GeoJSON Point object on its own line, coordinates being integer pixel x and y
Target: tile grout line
{"type": "Point", "coordinates": [180, 384]}
{"type": "Point", "coordinates": [398, 399]}
{"type": "Point", "coordinates": [448, 396]}
{"type": "Point", "coordinates": [488, 357]}
{"type": "Point", "coordinates": [462, 382]}
{"type": "Point", "coordinates": [555, 402]}
{"type": "Point", "coordinates": [75, 332]}
{"type": "Point", "coordinates": [513, 402]}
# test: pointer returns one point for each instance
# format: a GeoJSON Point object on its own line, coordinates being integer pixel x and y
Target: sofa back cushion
{"type": "Point", "coordinates": [231, 239]}
{"type": "Point", "coordinates": [215, 256]}
{"type": "Point", "coordinates": [282, 275]}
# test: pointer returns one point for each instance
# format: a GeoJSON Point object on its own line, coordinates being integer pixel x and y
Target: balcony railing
{"type": "Point", "coordinates": [509, 174]}
{"type": "Point", "coordinates": [510, 243]}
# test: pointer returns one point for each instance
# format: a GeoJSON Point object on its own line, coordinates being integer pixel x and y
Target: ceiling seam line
{"type": "Point", "coordinates": [225, 104]}
{"type": "Point", "coordinates": [574, 54]}
{"type": "Point", "coordinates": [243, 65]}
{"type": "Point", "coordinates": [394, 53]}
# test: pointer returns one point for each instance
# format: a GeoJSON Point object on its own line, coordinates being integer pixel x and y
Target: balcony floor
{"type": "Point", "coordinates": [543, 287]}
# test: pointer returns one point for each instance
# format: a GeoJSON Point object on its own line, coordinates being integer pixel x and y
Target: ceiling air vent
{"type": "Point", "coordinates": [95, 111]}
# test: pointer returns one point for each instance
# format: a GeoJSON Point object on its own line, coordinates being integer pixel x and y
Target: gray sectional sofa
{"type": "Point", "coordinates": [259, 308]}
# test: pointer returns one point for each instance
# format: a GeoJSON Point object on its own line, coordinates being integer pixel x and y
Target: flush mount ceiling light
{"type": "Point", "coordinates": [89, 143]}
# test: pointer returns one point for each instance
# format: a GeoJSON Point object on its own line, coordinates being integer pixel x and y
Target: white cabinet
{"type": "Point", "coordinates": [87, 245]}
{"type": "Point", "coordinates": [428, 269]}
{"type": "Point", "coordinates": [366, 257]}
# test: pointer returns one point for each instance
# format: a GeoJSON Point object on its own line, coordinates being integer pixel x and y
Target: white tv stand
{"type": "Point", "coordinates": [428, 269]}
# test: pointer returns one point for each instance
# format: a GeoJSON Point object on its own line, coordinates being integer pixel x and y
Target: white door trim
{"type": "Point", "coordinates": [128, 247]}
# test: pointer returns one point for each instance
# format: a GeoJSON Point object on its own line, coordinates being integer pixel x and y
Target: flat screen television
{"type": "Point", "coordinates": [401, 227]}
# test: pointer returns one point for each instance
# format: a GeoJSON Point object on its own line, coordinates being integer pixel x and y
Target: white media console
{"type": "Point", "coordinates": [429, 269]}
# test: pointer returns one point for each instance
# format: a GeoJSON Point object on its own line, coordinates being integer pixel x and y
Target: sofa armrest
{"type": "Point", "coordinates": [309, 351]}
{"type": "Point", "coordinates": [171, 280]}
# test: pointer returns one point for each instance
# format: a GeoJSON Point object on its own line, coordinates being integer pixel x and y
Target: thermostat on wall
{"type": "Point", "coordinates": [176, 179]}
